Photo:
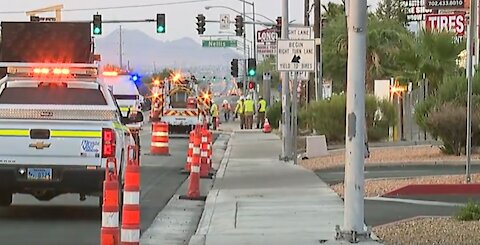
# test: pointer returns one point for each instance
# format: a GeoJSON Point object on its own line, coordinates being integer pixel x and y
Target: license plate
{"type": "Point", "coordinates": [39, 173]}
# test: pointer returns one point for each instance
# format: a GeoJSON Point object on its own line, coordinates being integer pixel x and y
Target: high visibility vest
{"type": "Point", "coordinates": [214, 110]}
{"type": "Point", "coordinates": [249, 106]}
{"type": "Point", "coordinates": [240, 108]}
{"type": "Point", "coordinates": [262, 106]}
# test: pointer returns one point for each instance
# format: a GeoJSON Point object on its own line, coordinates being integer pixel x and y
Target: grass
{"type": "Point", "coordinates": [470, 212]}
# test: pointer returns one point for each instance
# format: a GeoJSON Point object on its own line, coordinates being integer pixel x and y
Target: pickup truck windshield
{"type": "Point", "coordinates": [52, 96]}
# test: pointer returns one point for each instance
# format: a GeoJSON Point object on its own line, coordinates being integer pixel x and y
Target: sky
{"type": "Point", "coordinates": [180, 18]}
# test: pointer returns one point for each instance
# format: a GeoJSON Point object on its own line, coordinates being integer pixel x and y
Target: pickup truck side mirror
{"type": "Point", "coordinates": [133, 119]}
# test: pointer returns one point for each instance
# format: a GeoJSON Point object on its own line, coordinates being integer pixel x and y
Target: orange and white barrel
{"type": "Point", "coordinates": [188, 164]}
{"type": "Point", "coordinates": [130, 233]}
{"type": "Point", "coordinates": [110, 230]}
{"type": "Point", "coordinates": [159, 144]}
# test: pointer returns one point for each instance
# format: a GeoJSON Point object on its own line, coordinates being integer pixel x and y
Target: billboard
{"type": "Point", "coordinates": [452, 22]}
{"type": "Point", "coordinates": [46, 42]}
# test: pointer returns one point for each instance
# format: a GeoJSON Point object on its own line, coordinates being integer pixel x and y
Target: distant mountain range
{"type": "Point", "coordinates": [144, 52]}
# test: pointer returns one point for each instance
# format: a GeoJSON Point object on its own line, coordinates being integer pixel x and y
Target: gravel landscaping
{"type": "Point", "coordinates": [430, 230]}
{"type": "Point", "coordinates": [387, 156]}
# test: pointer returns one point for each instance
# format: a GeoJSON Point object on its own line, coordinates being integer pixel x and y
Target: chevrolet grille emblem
{"type": "Point", "coordinates": [39, 145]}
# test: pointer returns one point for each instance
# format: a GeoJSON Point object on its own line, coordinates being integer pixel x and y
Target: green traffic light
{"type": "Point", "coordinates": [251, 72]}
{"type": "Point", "coordinates": [97, 30]}
{"type": "Point", "coordinates": [160, 29]}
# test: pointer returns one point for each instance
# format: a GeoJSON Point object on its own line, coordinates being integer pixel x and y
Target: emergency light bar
{"type": "Point", "coordinates": [47, 69]}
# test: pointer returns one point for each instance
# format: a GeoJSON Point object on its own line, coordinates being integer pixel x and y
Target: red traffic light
{"type": "Point", "coordinates": [251, 85]}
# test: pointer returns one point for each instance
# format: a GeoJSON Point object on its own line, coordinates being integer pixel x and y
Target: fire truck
{"type": "Point", "coordinates": [180, 102]}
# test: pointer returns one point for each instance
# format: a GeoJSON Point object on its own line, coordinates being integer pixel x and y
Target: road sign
{"type": "Point", "coordinates": [295, 55]}
{"type": "Point", "coordinates": [224, 21]}
{"type": "Point", "coordinates": [300, 32]}
{"type": "Point", "coordinates": [219, 43]}
{"type": "Point", "coordinates": [453, 22]}
{"type": "Point", "coordinates": [267, 76]}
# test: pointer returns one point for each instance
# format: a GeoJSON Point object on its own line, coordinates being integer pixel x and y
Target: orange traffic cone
{"type": "Point", "coordinates": [193, 192]}
{"type": "Point", "coordinates": [266, 126]}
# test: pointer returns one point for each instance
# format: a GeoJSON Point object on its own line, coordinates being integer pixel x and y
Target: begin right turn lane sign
{"type": "Point", "coordinates": [295, 55]}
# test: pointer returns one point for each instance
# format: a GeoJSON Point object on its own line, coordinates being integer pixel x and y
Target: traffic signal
{"type": "Point", "coordinates": [201, 24]}
{"type": "Point", "coordinates": [240, 85]}
{"type": "Point", "coordinates": [161, 23]}
{"type": "Point", "coordinates": [239, 25]}
{"type": "Point", "coordinates": [252, 67]}
{"type": "Point", "coordinates": [97, 24]}
{"type": "Point", "coordinates": [234, 68]}
{"type": "Point", "coordinates": [251, 85]}
{"type": "Point", "coordinates": [278, 27]}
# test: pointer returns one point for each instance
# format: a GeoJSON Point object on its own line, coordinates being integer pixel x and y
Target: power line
{"type": "Point", "coordinates": [119, 7]}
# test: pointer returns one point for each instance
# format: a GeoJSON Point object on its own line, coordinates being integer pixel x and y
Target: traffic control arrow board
{"type": "Point", "coordinates": [295, 55]}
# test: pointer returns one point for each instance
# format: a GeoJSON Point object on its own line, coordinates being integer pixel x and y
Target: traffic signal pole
{"type": "Point", "coordinates": [244, 54]}
{"type": "Point", "coordinates": [286, 126]}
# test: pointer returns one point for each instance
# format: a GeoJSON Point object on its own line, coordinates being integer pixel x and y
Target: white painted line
{"type": "Point", "coordinates": [416, 202]}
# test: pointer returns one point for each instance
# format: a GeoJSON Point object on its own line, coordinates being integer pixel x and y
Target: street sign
{"type": "Point", "coordinates": [224, 21]}
{"type": "Point", "coordinates": [300, 32]}
{"type": "Point", "coordinates": [453, 22]}
{"type": "Point", "coordinates": [295, 55]}
{"type": "Point", "coordinates": [219, 43]}
{"type": "Point", "coordinates": [267, 76]}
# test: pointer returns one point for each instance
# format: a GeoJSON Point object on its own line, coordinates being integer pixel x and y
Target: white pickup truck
{"type": "Point", "coordinates": [58, 126]}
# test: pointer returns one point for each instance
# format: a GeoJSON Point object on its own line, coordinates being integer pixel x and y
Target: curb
{"type": "Point", "coordinates": [435, 189]}
{"type": "Point", "coordinates": [207, 215]}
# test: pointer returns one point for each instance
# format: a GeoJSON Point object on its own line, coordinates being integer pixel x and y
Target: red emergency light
{"type": "Point", "coordinates": [55, 71]}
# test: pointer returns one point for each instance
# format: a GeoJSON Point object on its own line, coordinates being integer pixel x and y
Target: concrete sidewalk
{"type": "Point", "coordinates": [257, 199]}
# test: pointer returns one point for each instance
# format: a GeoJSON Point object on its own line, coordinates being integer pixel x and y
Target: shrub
{"type": "Point", "coordinates": [444, 115]}
{"type": "Point", "coordinates": [469, 212]}
{"type": "Point", "coordinates": [328, 118]}
{"type": "Point", "coordinates": [449, 124]}
{"type": "Point", "coordinates": [274, 114]}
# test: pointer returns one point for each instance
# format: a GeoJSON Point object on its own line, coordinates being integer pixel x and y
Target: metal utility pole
{"type": "Point", "coordinates": [353, 228]}
{"type": "Point", "coordinates": [306, 22]}
{"type": "Point", "coordinates": [318, 50]}
{"type": "Point", "coordinates": [254, 36]}
{"type": "Point", "coordinates": [121, 48]}
{"type": "Point", "coordinates": [286, 126]}
{"type": "Point", "coordinates": [294, 116]}
{"type": "Point", "coordinates": [472, 34]}
{"type": "Point", "coordinates": [244, 54]}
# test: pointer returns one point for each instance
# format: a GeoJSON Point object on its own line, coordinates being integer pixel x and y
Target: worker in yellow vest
{"type": "Point", "coordinates": [249, 112]}
{"type": "Point", "coordinates": [262, 108]}
{"type": "Point", "coordinates": [215, 114]}
{"type": "Point", "coordinates": [240, 111]}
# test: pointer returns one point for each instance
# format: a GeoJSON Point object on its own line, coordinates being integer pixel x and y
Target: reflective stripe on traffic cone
{"type": "Point", "coordinates": [130, 233]}
{"type": "Point", "coordinates": [193, 192]}
{"type": "Point", "coordinates": [109, 233]}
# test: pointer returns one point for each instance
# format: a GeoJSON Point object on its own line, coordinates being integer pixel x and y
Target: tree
{"type": "Point", "coordinates": [333, 10]}
{"type": "Point", "coordinates": [391, 10]}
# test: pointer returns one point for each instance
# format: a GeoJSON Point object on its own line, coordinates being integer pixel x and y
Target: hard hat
{"type": "Point", "coordinates": [249, 97]}
{"type": "Point", "coordinates": [225, 102]}
{"type": "Point", "coordinates": [242, 97]}
{"type": "Point", "coordinates": [260, 97]}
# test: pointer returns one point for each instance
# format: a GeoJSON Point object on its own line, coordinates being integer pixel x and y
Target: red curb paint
{"type": "Point", "coordinates": [436, 189]}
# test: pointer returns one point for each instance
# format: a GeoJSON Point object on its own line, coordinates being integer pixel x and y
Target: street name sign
{"type": "Point", "coordinates": [295, 55]}
{"type": "Point", "coordinates": [219, 43]}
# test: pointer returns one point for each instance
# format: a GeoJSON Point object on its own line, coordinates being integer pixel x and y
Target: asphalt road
{"type": "Point", "coordinates": [379, 212]}
{"type": "Point", "coordinates": [66, 220]}
{"type": "Point", "coordinates": [337, 175]}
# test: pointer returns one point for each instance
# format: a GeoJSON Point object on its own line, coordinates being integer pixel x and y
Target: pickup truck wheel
{"type": "Point", "coordinates": [6, 199]}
